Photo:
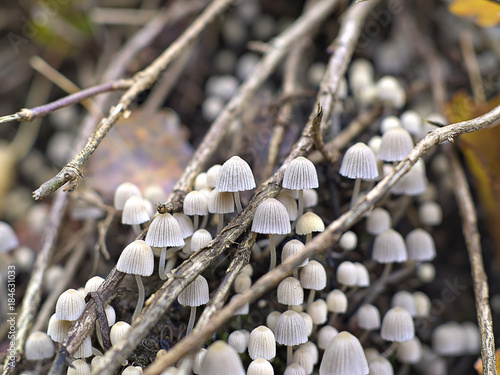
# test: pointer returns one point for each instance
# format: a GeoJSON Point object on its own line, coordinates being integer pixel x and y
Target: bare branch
{"type": "Point", "coordinates": [479, 278]}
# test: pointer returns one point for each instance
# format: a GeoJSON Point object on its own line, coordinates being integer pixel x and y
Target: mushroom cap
{"type": "Point", "coordinates": [389, 122]}
{"type": "Point", "coordinates": [359, 162]}
{"type": "Point", "coordinates": [363, 277]}
{"type": "Point", "coordinates": [8, 238]}
{"type": "Point", "coordinates": [312, 349]}
{"type": "Point", "coordinates": [271, 217]}
{"type": "Point", "coordinates": [85, 348]}
{"type": "Point", "coordinates": [313, 276]}
{"type": "Point", "coordinates": [389, 246]}
{"type": "Point", "coordinates": [348, 241]}
{"type": "Point", "coordinates": [200, 239]}
{"type": "Point", "coordinates": [290, 329]}
{"type": "Point", "coordinates": [290, 292]}
{"type": "Point", "coordinates": [137, 259]}
{"type": "Point", "coordinates": [242, 283]}
{"type": "Point", "coordinates": [79, 367]}
{"type": "Point", "coordinates": [304, 358]}
{"type": "Point", "coordinates": [318, 311]}
{"type": "Point", "coordinates": [260, 366]}
{"type": "Point", "coordinates": [221, 358]}
{"type": "Point", "coordinates": [346, 274]}
{"type": "Point", "coordinates": [308, 223]}
{"type": "Point", "coordinates": [164, 231]}
{"type": "Point", "coordinates": [310, 198]}
{"type": "Point", "coordinates": [198, 359]}
{"type": "Point", "coordinates": [195, 203]}
{"type": "Point", "coordinates": [185, 224]}
{"type": "Point", "coordinates": [412, 122]}
{"type": "Point", "coordinates": [325, 335]}
{"type": "Point", "coordinates": [238, 341]}
{"type": "Point", "coordinates": [123, 192]}
{"type": "Point", "coordinates": [472, 337]}
{"type": "Point", "coordinates": [93, 284]}
{"type": "Point", "coordinates": [430, 213]}
{"type": "Point", "coordinates": [212, 174]}
{"type": "Point", "coordinates": [410, 351]}
{"type": "Point", "coordinates": [449, 339]}
{"type": "Point", "coordinates": [220, 202]}
{"type": "Point", "coordinates": [200, 181]}
{"type": "Point", "coordinates": [336, 301]}
{"type": "Point", "coordinates": [58, 329]}
{"type": "Point", "coordinates": [380, 365]}
{"type": "Point", "coordinates": [155, 194]}
{"type": "Point", "coordinates": [368, 317]}
{"type": "Point", "coordinates": [262, 343]}
{"type": "Point", "coordinates": [420, 245]}
{"type": "Point", "coordinates": [272, 318]}
{"type": "Point", "coordinates": [38, 346]}
{"type": "Point", "coordinates": [414, 182]}
{"type": "Point", "coordinates": [300, 175]}
{"type": "Point", "coordinates": [118, 330]}
{"type": "Point", "coordinates": [135, 211]}
{"type": "Point", "coordinates": [309, 322]}
{"type": "Point", "coordinates": [292, 247]}
{"type": "Point", "coordinates": [195, 294]}
{"type": "Point", "coordinates": [396, 144]}
{"type": "Point", "coordinates": [405, 300]}
{"type": "Point", "coordinates": [422, 304]}
{"type": "Point", "coordinates": [235, 175]}
{"type": "Point", "coordinates": [70, 305]}
{"type": "Point", "coordinates": [397, 325]}
{"type": "Point", "coordinates": [295, 369]}
{"type": "Point", "coordinates": [289, 203]}
{"type": "Point", "coordinates": [344, 356]}
{"type": "Point", "coordinates": [378, 220]}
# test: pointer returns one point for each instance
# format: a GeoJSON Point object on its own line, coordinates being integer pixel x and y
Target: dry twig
{"type": "Point", "coordinates": [479, 278]}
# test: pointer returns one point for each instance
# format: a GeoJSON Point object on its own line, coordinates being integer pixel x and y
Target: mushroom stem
{"type": "Point", "coordinates": [237, 200]}
{"type": "Point", "coordinates": [220, 223]}
{"type": "Point", "coordinates": [196, 222]}
{"type": "Point", "coordinates": [140, 299]}
{"type": "Point", "coordinates": [136, 228]}
{"type": "Point", "coordinates": [161, 265]}
{"type": "Point", "coordinates": [300, 210]}
{"type": "Point", "coordinates": [192, 317]}
{"type": "Point", "coordinates": [385, 272]}
{"type": "Point", "coordinates": [38, 367]}
{"type": "Point", "coordinates": [289, 355]}
{"type": "Point", "coordinates": [355, 192]}
{"type": "Point", "coordinates": [310, 299]}
{"type": "Point", "coordinates": [172, 258]}
{"type": "Point", "coordinates": [204, 222]}
{"type": "Point", "coordinates": [309, 237]}
{"type": "Point", "coordinates": [272, 249]}
{"type": "Point", "coordinates": [390, 350]}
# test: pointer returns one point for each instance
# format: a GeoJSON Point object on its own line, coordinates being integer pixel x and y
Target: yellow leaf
{"type": "Point", "coordinates": [485, 13]}
{"type": "Point", "coordinates": [479, 364]}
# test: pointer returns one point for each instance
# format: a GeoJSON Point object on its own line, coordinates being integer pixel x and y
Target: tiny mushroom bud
{"type": "Point", "coordinates": [348, 241]}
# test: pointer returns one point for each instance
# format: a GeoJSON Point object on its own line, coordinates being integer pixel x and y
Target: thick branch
{"type": "Point", "coordinates": [142, 81]}
{"type": "Point", "coordinates": [479, 278]}
{"type": "Point", "coordinates": [328, 238]}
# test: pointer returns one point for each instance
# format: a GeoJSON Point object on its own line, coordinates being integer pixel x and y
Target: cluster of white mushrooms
{"type": "Point", "coordinates": [305, 326]}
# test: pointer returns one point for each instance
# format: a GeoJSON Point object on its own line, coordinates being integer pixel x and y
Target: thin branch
{"type": "Point", "coordinates": [326, 239]}
{"type": "Point", "coordinates": [143, 80]}
{"type": "Point", "coordinates": [479, 278]}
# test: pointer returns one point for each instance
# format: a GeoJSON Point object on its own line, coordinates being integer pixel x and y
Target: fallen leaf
{"type": "Point", "coordinates": [478, 366]}
{"type": "Point", "coordinates": [485, 13]}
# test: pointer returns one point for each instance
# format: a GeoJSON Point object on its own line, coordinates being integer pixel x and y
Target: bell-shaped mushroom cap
{"type": "Point", "coordinates": [220, 202]}
{"type": "Point", "coordinates": [318, 311]}
{"type": "Point", "coordinates": [430, 213]}
{"type": "Point", "coordinates": [242, 283]}
{"type": "Point", "coordinates": [303, 358]}
{"type": "Point", "coordinates": [295, 369]}
{"type": "Point", "coordinates": [132, 370]}
{"type": "Point", "coordinates": [397, 325]}
{"type": "Point", "coordinates": [412, 122]}
{"type": "Point", "coordinates": [272, 318]}
{"type": "Point", "coordinates": [310, 198]}
{"type": "Point", "coordinates": [93, 284]}
{"type": "Point", "coordinates": [449, 339]}
{"type": "Point", "coordinates": [363, 277]}
{"type": "Point", "coordinates": [396, 144]}
{"type": "Point", "coordinates": [195, 203]}
{"type": "Point", "coordinates": [414, 182]}
{"type": "Point", "coordinates": [348, 241]}
{"type": "Point", "coordinates": [325, 335]}
{"type": "Point", "coordinates": [336, 301]}
{"type": "Point", "coordinates": [346, 274]}
{"type": "Point", "coordinates": [79, 367]}
{"type": "Point", "coordinates": [8, 238]}
{"type": "Point", "coordinates": [380, 366]}
{"type": "Point", "coordinates": [344, 356]}
{"type": "Point", "coordinates": [38, 346]}
{"type": "Point", "coordinates": [164, 231]}
{"type": "Point", "coordinates": [289, 203]}
{"type": "Point", "coordinates": [260, 366]}
{"type": "Point", "coordinates": [136, 259]}
{"type": "Point", "coordinates": [389, 247]}
{"type": "Point", "coordinates": [155, 194]}
{"type": "Point", "coordinates": [368, 317]}
{"type": "Point", "coordinates": [290, 329]}
{"type": "Point", "coordinates": [58, 329]}
{"type": "Point", "coordinates": [200, 182]}
{"type": "Point", "coordinates": [389, 91]}
{"type": "Point", "coordinates": [313, 276]}
{"type": "Point", "coordinates": [309, 322]}
{"type": "Point", "coordinates": [420, 245]}
{"type": "Point", "coordinates": [405, 300]}
{"type": "Point", "coordinates": [389, 122]}
{"type": "Point", "coordinates": [292, 247]}
{"type": "Point", "coordinates": [212, 174]}
{"type": "Point", "coordinates": [123, 192]}
{"type": "Point", "coordinates": [308, 223]}
{"type": "Point", "coordinates": [312, 349]}
{"type": "Point", "coordinates": [359, 162]}
{"type": "Point", "coordinates": [271, 217]}
{"type": "Point", "coordinates": [185, 224]}
{"type": "Point", "coordinates": [85, 348]}
{"type": "Point", "coordinates": [300, 175]}
{"type": "Point", "coordinates": [377, 221]}
{"type": "Point", "coordinates": [198, 359]}
{"type": "Point", "coordinates": [195, 294]}
{"type": "Point", "coordinates": [290, 292]}
{"type": "Point", "coordinates": [135, 211]}
{"type": "Point", "coordinates": [422, 304]}
{"type": "Point", "coordinates": [244, 309]}
{"type": "Point", "coordinates": [262, 343]}
{"type": "Point", "coordinates": [360, 74]}
{"type": "Point", "coordinates": [472, 337]}
{"type": "Point", "coordinates": [221, 359]}
{"type": "Point", "coordinates": [200, 239]}
{"type": "Point", "coordinates": [118, 330]}
{"type": "Point", "coordinates": [238, 341]}
{"type": "Point", "coordinates": [70, 305]}
{"type": "Point", "coordinates": [235, 175]}
{"type": "Point", "coordinates": [410, 351]}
